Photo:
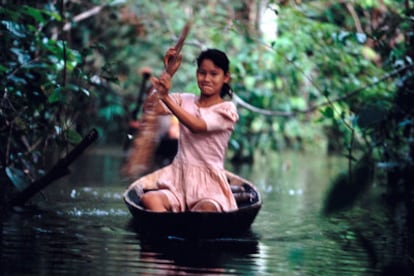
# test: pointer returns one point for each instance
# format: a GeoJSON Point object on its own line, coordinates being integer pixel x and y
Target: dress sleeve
{"type": "Point", "coordinates": [221, 117]}
{"type": "Point", "coordinates": [176, 97]}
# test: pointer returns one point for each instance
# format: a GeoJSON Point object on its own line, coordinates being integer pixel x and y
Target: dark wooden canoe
{"type": "Point", "coordinates": [198, 225]}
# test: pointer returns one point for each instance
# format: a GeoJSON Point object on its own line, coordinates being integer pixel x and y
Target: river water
{"type": "Point", "coordinates": [80, 225]}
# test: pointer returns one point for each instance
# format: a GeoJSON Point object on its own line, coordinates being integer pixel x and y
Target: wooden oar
{"type": "Point", "coordinates": [178, 46]}
{"type": "Point", "coordinates": [132, 129]}
{"type": "Point", "coordinates": [141, 158]}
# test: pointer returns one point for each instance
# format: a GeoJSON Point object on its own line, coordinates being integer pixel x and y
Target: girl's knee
{"type": "Point", "coordinates": [206, 205]}
{"type": "Point", "coordinates": [155, 201]}
{"type": "Point", "coordinates": [146, 199]}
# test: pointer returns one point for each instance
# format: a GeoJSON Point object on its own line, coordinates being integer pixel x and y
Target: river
{"type": "Point", "coordinates": [80, 226]}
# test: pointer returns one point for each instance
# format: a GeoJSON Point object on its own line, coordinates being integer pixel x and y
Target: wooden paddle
{"type": "Point", "coordinates": [178, 46]}
{"type": "Point", "coordinates": [140, 160]}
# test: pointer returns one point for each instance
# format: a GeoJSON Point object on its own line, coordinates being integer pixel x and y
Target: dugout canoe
{"type": "Point", "coordinates": [198, 225]}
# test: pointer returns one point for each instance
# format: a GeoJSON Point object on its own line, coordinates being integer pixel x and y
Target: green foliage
{"type": "Point", "coordinates": [42, 92]}
{"type": "Point", "coordinates": [319, 68]}
{"type": "Point", "coordinates": [381, 117]}
{"type": "Point", "coordinates": [311, 60]}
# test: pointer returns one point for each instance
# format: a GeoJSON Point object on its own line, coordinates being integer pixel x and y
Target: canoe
{"type": "Point", "coordinates": [198, 225]}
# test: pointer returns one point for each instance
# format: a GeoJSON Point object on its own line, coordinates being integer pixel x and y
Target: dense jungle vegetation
{"type": "Point", "coordinates": [330, 76]}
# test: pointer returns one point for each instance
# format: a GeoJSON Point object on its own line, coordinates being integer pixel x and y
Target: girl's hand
{"type": "Point", "coordinates": [172, 61]}
{"type": "Point", "coordinates": [162, 84]}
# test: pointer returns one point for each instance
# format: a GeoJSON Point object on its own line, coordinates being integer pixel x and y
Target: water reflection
{"type": "Point", "coordinates": [81, 225]}
{"type": "Point", "coordinates": [208, 257]}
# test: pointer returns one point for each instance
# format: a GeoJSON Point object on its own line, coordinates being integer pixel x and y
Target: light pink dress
{"type": "Point", "coordinates": [197, 172]}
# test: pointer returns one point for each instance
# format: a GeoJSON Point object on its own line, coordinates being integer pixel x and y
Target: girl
{"type": "Point", "coordinates": [195, 180]}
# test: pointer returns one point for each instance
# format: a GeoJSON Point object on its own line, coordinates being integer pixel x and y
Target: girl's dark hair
{"type": "Point", "coordinates": [219, 58]}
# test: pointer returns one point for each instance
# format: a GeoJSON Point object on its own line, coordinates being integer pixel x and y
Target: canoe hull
{"type": "Point", "coordinates": [196, 225]}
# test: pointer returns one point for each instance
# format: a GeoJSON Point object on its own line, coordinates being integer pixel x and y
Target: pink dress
{"type": "Point", "coordinates": [197, 172]}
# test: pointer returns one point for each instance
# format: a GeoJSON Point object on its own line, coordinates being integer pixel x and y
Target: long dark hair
{"type": "Point", "coordinates": [219, 58]}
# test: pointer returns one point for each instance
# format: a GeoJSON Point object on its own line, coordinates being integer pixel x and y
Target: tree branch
{"type": "Point", "coordinates": [354, 15]}
{"type": "Point", "coordinates": [267, 112]}
{"type": "Point", "coordinates": [83, 16]}
{"type": "Point", "coordinates": [59, 170]}
{"type": "Point", "coordinates": [262, 111]}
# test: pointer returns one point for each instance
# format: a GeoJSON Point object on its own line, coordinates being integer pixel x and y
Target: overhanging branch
{"type": "Point", "coordinates": [353, 93]}
{"type": "Point", "coordinates": [83, 16]}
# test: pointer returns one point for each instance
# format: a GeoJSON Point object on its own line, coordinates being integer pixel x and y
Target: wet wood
{"type": "Point", "coordinates": [59, 170]}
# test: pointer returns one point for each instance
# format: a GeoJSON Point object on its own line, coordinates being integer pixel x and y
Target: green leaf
{"type": "Point", "coordinates": [21, 54]}
{"type": "Point", "coordinates": [57, 95]}
{"type": "Point", "coordinates": [17, 80]}
{"type": "Point", "coordinates": [117, 2]}
{"type": "Point", "coordinates": [85, 91]}
{"type": "Point", "coordinates": [14, 28]}
{"type": "Point", "coordinates": [3, 69]}
{"type": "Point", "coordinates": [73, 136]}
{"type": "Point", "coordinates": [328, 112]}
{"type": "Point", "coordinates": [18, 178]}
{"type": "Point", "coordinates": [34, 13]}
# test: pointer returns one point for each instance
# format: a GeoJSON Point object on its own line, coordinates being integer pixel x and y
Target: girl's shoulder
{"type": "Point", "coordinates": [178, 97]}
{"type": "Point", "coordinates": [188, 96]}
{"type": "Point", "coordinates": [225, 105]}
{"type": "Point", "coordinates": [226, 109]}
{"type": "Point", "coordinates": [184, 97]}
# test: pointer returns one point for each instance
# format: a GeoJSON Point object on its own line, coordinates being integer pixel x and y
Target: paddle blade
{"type": "Point", "coordinates": [179, 45]}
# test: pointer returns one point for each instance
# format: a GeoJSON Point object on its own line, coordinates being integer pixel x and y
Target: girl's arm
{"type": "Point", "coordinates": [196, 125]}
{"type": "Point", "coordinates": [154, 104]}
{"type": "Point", "coordinates": [172, 61]}
{"type": "Point", "coordinates": [163, 84]}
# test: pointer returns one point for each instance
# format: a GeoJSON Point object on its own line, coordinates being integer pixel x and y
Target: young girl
{"type": "Point", "coordinates": [195, 180]}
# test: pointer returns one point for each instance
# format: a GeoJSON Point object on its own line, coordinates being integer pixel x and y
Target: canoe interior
{"type": "Point", "coordinates": [198, 224]}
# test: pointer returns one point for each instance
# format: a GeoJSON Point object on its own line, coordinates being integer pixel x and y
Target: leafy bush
{"type": "Point", "coordinates": [43, 94]}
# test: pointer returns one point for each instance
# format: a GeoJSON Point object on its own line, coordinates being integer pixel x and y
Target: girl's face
{"type": "Point", "coordinates": [210, 78]}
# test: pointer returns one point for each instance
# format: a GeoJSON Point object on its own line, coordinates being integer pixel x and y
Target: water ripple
{"type": "Point", "coordinates": [83, 227]}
